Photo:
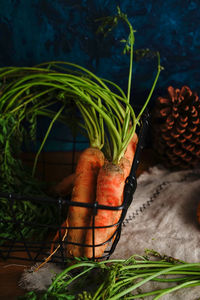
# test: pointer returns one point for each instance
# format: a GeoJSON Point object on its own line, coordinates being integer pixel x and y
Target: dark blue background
{"type": "Point", "coordinates": [41, 30]}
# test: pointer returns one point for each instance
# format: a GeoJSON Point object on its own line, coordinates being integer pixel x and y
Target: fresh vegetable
{"type": "Point", "coordinates": [104, 216]}
{"type": "Point", "coordinates": [112, 176]}
{"type": "Point", "coordinates": [84, 191]}
{"type": "Point", "coordinates": [110, 187]}
{"type": "Point", "coordinates": [131, 148]}
{"type": "Point", "coordinates": [64, 187]}
{"type": "Point", "coordinates": [107, 117]}
{"type": "Point", "coordinates": [110, 191]}
{"type": "Point", "coordinates": [119, 122]}
{"type": "Point", "coordinates": [121, 279]}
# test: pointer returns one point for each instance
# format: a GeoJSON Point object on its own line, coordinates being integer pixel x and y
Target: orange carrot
{"type": "Point", "coordinates": [65, 186]}
{"type": "Point", "coordinates": [62, 189]}
{"type": "Point", "coordinates": [89, 163]}
{"type": "Point", "coordinates": [127, 160]}
{"type": "Point", "coordinates": [110, 188]}
{"type": "Point", "coordinates": [130, 150]}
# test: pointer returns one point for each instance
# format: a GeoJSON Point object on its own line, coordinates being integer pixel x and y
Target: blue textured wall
{"type": "Point", "coordinates": [34, 31]}
{"type": "Point", "coordinates": [40, 30]}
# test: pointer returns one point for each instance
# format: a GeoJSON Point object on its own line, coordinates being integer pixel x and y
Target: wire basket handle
{"type": "Point", "coordinates": [131, 181]}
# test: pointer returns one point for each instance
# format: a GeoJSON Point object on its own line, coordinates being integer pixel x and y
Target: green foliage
{"type": "Point", "coordinates": [18, 123]}
{"type": "Point", "coordinates": [120, 279]}
{"type": "Point", "coordinates": [12, 173]}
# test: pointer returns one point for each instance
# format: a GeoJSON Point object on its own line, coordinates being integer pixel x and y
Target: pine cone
{"type": "Point", "coordinates": [176, 128]}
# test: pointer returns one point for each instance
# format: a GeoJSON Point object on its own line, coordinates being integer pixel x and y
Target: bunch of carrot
{"type": "Point", "coordinates": [110, 123]}
{"type": "Point", "coordinates": [100, 178]}
{"type": "Point", "coordinates": [101, 171]}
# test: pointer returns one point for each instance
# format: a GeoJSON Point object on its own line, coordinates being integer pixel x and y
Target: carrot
{"type": "Point", "coordinates": [100, 107]}
{"type": "Point", "coordinates": [110, 187]}
{"type": "Point", "coordinates": [62, 189]}
{"type": "Point", "coordinates": [65, 186]}
{"type": "Point", "coordinates": [127, 160]}
{"type": "Point", "coordinates": [84, 191]}
{"type": "Point", "coordinates": [130, 150]}
{"type": "Point", "coordinates": [109, 192]}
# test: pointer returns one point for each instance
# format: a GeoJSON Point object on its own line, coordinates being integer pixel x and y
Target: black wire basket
{"type": "Point", "coordinates": [37, 248]}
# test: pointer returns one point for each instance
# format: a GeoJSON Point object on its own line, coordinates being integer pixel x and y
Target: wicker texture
{"type": "Point", "coordinates": [176, 128]}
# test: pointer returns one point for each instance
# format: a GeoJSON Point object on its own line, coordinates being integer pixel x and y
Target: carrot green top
{"type": "Point", "coordinates": [104, 106]}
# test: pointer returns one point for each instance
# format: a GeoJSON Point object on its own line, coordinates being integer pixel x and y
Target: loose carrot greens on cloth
{"type": "Point", "coordinates": [121, 279]}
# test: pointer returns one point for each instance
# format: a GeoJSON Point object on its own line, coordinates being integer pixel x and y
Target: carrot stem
{"type": "Point", "coordinates": [45, 138]}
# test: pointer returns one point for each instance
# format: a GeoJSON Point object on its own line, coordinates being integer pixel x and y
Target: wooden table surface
{"type": "Point", "coordinates": [10, 273]}
{"type": "Point", "coordinates": [12, 269]}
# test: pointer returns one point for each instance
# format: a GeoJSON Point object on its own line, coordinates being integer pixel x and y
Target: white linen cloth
{"type": "Point", "coordinates": [163, 217]}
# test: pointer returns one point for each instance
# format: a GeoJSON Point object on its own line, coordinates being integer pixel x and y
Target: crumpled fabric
{"type": "Point", "coordinates": [163, 217]}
